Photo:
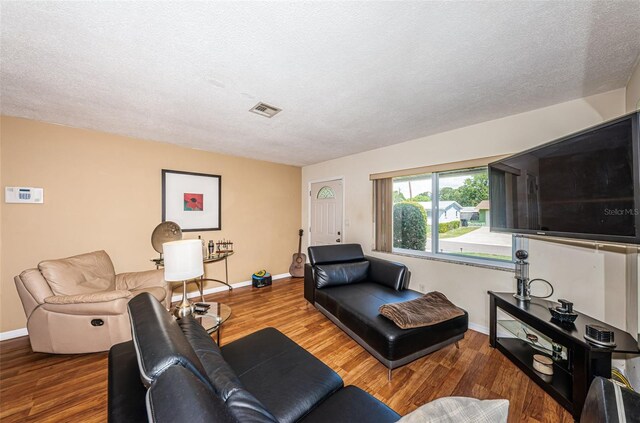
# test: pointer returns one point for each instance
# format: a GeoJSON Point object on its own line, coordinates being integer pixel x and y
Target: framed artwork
{"type": "Point", "coordinates": [192, 200]}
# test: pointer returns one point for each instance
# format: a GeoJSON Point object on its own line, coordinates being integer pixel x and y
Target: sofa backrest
{"type": "Point", "coordinates": [340, 273]}
{"type": "Point", "coordinates": [81, 274]}
{"type": "Point", "coordinates": [158, 341]}
{"type": "Point", "coordinates": [340, 253]}
{"type": "Point", "coordinates": [343, 264]}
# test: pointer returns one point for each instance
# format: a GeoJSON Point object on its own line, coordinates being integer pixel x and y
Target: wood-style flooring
{"type": "Point", "coordinates": [73, 388]}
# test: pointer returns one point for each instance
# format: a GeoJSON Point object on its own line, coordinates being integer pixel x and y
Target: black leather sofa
{"type": "Point", "coordinates": [172, 371]}
{"type": "Point", "coordinates": [349, 287]}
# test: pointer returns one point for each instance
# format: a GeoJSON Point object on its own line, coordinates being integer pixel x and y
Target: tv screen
{"type": "Point", "coordinates": [581, 186]}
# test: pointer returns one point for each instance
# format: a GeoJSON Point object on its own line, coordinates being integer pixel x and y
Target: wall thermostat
{"type": "Point", "coordinates": [23, 195]}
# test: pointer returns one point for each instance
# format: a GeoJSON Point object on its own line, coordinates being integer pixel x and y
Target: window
{"type": "Point", "coordinates": [326, 193]}
{"type": "Point", "coordinates": [446, 214]}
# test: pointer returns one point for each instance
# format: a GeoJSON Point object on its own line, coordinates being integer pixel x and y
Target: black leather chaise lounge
{"type": "Point", "coordinates": [349, 287]}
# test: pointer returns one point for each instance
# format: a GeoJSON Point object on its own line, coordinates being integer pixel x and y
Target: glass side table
{"type": "Point", "coordinates": [213, 319]}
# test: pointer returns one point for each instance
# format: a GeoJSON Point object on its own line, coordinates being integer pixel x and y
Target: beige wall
{"type": "Point", "coordinates": [633, 90]}
{"type": "Point", "coordinates": [103, 191]}
{"type": "Point", "coordinates": [593, 279]}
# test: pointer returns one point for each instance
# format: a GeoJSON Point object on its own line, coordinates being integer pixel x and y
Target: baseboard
{"type": "Point", "coordinates": [222, 288]}
{"type": "Point", "coordinates": [13, 334]}
{"type": "Point", "coordinates": [23, 331]}
{"type": "Point", "coordinates": [479, 328]}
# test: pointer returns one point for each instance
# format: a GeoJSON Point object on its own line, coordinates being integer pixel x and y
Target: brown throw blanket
{"type": "Point", "coordinates": [427, 310]}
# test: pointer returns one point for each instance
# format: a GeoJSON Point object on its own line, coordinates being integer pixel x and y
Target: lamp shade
{"type": "Point", "coordinates": [182, 260]}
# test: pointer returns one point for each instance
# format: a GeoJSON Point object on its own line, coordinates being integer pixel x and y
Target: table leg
{"type": "Point", "coordinates": [201, 287]}
{"type": "Point", "coordinates": [493, 321]}
{"type": "Point", "coordinates": [226, 274]}
{"type": "Point", "coordinates": [226, 277]}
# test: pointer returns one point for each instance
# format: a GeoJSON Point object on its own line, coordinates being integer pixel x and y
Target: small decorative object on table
{"type": "Point", "coordinates": [201, 308]}
{"type": "Point", "coordinates": [599, 335]}
{"type": "Point", "coordinates": [523, 290]}
{"type": "Point", "coordinates": [211, 247]}
{"type": "Point", "coordinates": [557, 351]}
{"type": "Point", "coordinates": [204, 247]}
{"type": "Point", "coordinates": [261, 279]}
{"type": "Point", "coordinates": [543, 365]}
{"type": "Point", "coordinates": [165, 232]}
{"type": "Point", "coordinates": [224, 246]}
{"type": "Point", "coordinates": [564, 313]}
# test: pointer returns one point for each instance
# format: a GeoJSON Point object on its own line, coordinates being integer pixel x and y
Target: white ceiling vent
{"type": "Point", "coordinates": [264, 109]}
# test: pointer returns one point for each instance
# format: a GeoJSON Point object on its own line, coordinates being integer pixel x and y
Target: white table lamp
{"type": "Point", "coordinates": [182, 262]}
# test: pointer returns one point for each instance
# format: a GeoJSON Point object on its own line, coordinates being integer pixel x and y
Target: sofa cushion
{"type": "Point", "coordinates": [340, 274]}
{"type": "Point", "coordinates": [350, 405]}
{"type": "Point", "coordinates": [242, 405]}
{"type": "Point", "coordinates": [356, 307]}
{"type": "Point", "coordinates": [222, 377]}
{"type": "Point", "coordinates": [342, 253]}
{"type": "Point", "coordinates": [81, 274]}
{"type": "Point", "coordinates": [247, 408]}
{"type": "Point", "coordinates": [287, 379]}
{"type": "Point", "coordinates": [158, 340]}
{"type": "Point", "coordinates": [460, 410]}
{"type": "Point", "coordinates": [178, 396]}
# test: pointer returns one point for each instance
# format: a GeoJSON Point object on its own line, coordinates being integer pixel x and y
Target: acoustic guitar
{"type": "Point", "coordinates": [297, 262]}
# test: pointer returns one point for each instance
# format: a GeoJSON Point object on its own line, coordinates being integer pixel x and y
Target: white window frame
{"type": "Point", "coordinates": [518, 242]}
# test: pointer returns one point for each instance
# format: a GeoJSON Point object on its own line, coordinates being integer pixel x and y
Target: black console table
{"type": "Point", "coordinates": [581, 362]}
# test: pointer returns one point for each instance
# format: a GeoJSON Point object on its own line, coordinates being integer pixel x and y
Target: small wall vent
{"type": "Point", "coordinates": [265, 110]}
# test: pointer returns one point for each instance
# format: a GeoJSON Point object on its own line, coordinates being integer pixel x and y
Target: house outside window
{"type": "Point", "coordinates": [446, 214]}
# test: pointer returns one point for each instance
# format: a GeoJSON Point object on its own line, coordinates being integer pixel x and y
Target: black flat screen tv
{"type": "Point", "coordinates": [585, 185]}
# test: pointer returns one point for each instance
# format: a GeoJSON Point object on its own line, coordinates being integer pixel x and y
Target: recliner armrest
{"type": "Point", "coordinates": [105, 308]}
{"type": "Point", "coordinates": [93, 297]}
{"type": "Point", "coordinates": [389, 273]}
{"type": "Point", "coordinates": [137, 280]}
{"type": "Point", "coordinates": [32, 288]}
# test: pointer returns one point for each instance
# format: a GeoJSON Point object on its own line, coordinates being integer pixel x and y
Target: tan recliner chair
{"type": "Point", "coordinates": [79, 304]}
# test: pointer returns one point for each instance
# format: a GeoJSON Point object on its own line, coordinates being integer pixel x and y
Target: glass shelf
{"type": "Point", "coordinates": [521, 330]}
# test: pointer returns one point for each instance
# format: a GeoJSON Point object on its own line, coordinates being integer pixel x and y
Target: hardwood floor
{"type": "Point", "coordinates": [73, 388]}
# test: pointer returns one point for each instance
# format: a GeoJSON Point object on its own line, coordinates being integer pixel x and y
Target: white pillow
{"type": "Point", "coordinates": [459, 410]}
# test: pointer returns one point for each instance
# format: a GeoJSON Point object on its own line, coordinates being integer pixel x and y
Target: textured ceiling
{"type": "Point", "coordinates": [349, 76]}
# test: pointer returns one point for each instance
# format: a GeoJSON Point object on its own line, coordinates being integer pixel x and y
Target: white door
{"type": "Point", "coordinates": [326, 213]}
